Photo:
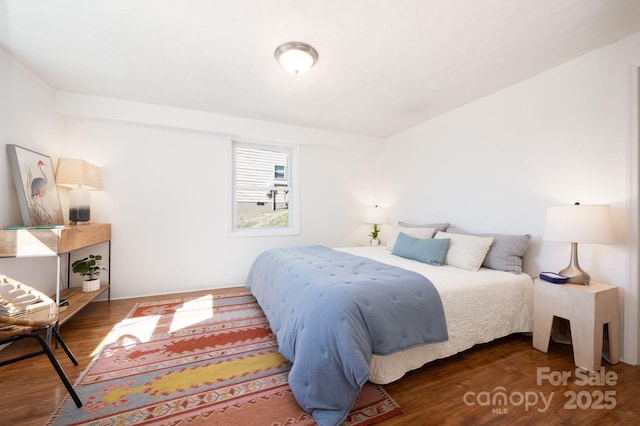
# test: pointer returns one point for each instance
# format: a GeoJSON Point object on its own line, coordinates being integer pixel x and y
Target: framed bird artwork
{"type": "Point", "coordinates": [34, 178]}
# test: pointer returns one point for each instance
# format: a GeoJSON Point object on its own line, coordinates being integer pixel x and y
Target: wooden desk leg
{"type": "Point", "coordinates": [542, 322]}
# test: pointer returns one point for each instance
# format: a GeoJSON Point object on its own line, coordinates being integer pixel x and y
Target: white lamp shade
{"type": "Point", "coordinates": [375, 215]}
{"type": "Point", "coordinates": [579, 224]}
{"type": "Point", "coordinates": [74, 174]}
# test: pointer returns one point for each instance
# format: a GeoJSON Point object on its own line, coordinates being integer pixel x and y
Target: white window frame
{"type": "Point", "coordinates": [292, 174]}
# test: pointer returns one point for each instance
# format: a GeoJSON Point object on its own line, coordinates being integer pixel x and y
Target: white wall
{"type": "Point", "coordinates": [496, 164]}
{"type": "Point", "coordinates": [167, 192]}
{"type": "Point", "coordinates": [27, 118]}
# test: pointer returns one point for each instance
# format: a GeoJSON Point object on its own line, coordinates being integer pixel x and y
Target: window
{"type": "Point", "coordinates": [278, 172]}
{"type": "Point", "coordinates": [263, 197]}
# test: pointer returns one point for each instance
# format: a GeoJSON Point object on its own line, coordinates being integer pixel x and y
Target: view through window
{"type": "Point", "coordinates": [262, 186]}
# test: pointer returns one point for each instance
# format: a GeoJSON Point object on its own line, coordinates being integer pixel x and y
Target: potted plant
{"type": "Point", "coordinates": [90, 268]}
{"type": "Point", "coordinates": [374, 235]}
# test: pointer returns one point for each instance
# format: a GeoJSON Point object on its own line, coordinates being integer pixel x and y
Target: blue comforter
{"type": "Point", "coordinates": [331, 311]}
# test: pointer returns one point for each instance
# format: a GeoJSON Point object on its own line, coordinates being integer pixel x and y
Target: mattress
{"type": "Point", "coordinates": [479, 306]}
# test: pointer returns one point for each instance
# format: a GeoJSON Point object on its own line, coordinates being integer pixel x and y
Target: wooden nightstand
{"type": "Point", "coordinates": [588, 308]}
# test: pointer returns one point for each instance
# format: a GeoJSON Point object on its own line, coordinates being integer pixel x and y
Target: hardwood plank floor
{"type": "Point", "coordinates": [452, 391]}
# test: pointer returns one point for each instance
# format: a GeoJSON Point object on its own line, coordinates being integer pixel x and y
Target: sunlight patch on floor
{"type": "Point", "coordinates": [131, 331]}
{"type": "Point", "coordinates": [192, 312]}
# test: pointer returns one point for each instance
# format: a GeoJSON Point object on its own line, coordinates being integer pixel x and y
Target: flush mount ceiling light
{"type": "Point", "coordinates": [296, 57]}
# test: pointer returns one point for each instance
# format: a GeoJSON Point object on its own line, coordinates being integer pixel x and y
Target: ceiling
{"type": "Point", "coordinates": [383, 65]}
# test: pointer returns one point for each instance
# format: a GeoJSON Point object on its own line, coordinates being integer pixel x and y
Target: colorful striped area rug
{"type": "Point", "coordinates": [203, 361]}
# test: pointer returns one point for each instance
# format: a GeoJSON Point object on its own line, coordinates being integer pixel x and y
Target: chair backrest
{"type": "Point", "coordinates": [23, 308]}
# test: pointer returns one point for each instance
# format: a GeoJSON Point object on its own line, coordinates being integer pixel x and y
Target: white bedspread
{"type": "Point", "coordinates": [479, 307]}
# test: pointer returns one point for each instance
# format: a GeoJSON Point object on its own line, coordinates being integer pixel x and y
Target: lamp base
{"type": "Point", "coordinates": [79, 207]}
{"type": "Point", "coordinates": [573, 271]}
{"type": "Point", "coordinates": [79, 215]}
{"type": "Point", "coordinates": [576, 276]}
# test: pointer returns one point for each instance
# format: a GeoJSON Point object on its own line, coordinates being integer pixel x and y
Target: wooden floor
{"type": "Point", "coordinates": [454, 391]}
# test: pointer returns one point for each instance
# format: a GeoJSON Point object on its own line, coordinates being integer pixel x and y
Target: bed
{"type": "Point", "coordinates": [480, 306]}
{"type": "Point", "coordinates": [338, 341]}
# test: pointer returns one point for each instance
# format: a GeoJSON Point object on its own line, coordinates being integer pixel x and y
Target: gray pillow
{"type": "Point", "coordinates": [394, 234]}
{"type": "Point", "coordinates": [505, 254]}
{"type": "Point", "coordinates": [437, 226]}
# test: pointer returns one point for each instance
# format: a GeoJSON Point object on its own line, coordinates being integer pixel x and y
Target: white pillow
{"type": "Point", "coordinates": [466, 251]}
{"type": "Point", "coordinates": [420, 233]}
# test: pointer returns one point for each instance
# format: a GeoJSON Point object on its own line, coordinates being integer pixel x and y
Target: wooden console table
{"type": "Point", "coordinates": [57, 242]}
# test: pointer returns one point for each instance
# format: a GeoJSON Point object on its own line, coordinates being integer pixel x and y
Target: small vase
{"type": "Point", "coordinates": [375, 242]}
{"type": "Point", "coordinates": [91, 285]}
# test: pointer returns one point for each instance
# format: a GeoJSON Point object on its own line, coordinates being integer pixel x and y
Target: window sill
{"type": "Point", "coordinates": [253, 232]}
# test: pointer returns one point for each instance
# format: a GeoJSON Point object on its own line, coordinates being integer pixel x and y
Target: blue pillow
{"type": "Point", "coordinates": [430, 251]}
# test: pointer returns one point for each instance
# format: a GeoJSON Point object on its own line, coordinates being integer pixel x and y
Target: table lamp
{"type": "Point", "coordinates": [375, 216]}
{"type": "Point", "coordinates": [81, 177]}
{"type": "Point", "coordinates": [578, 224]}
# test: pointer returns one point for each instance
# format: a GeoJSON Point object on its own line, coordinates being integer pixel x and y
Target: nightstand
{"type": "Point", "coordinates": [588, 308]}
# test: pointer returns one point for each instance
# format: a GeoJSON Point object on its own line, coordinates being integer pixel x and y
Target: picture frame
{"type": "Point", "coordinates": [34, 178]}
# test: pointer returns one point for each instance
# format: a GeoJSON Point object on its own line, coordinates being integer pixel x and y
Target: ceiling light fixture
{"type": "Point", "coordinates": [296, 57]}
